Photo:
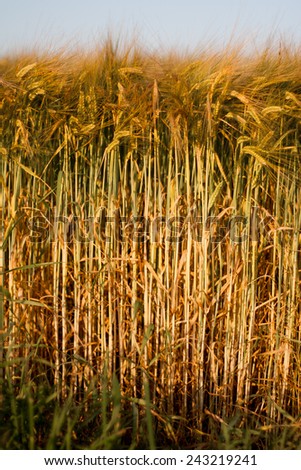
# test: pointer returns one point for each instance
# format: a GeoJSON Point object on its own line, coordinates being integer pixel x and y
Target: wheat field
{"type": "Point", "coordinates": [150, 246]}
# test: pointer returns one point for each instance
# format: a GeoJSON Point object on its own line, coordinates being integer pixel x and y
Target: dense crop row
{"type": "Point", "coordinates": [151, 232]}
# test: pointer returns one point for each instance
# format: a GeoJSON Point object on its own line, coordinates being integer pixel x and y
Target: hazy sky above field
{"type": "Point", "coordinates": [158, 24]}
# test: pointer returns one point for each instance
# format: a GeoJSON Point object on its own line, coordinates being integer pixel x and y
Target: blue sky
{"type": "Point", "coordinates": [158, 24]}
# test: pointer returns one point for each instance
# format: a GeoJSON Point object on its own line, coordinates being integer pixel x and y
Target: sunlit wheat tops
{"type": "Point", "coordinates": [151, 227]}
